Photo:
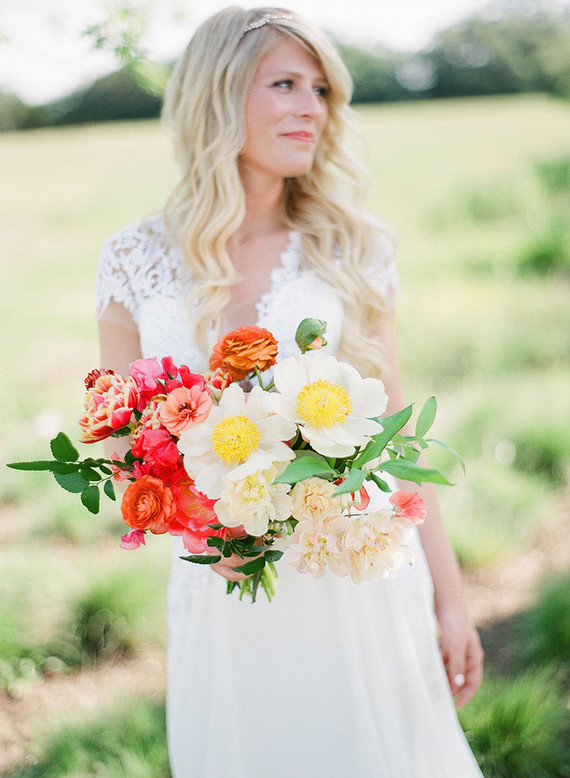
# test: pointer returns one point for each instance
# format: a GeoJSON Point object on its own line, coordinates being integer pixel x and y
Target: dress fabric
{"type": "Point", "coordinates": [331, 679]}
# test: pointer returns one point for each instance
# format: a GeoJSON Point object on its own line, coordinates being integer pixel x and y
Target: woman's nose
{"type": "Point", "coordinates": [310, 103]}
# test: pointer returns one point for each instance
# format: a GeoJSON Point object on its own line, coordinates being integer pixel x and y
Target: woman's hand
{"type": "Point", "coordinates": [225, 565]}
{"type": "Point", "coordinates": [461, 652]}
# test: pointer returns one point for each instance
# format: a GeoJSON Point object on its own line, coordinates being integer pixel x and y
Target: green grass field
{"type": "Point", "coordinates": [479, 193]}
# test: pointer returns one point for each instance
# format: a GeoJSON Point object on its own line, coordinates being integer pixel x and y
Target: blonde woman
{"type": "Point", "coordinates": [332, 679]}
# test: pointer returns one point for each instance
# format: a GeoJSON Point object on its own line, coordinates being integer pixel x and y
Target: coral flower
{"type": "Point", "coordinates": [184, 407]}
{"type": "Point", "coordinates": [329, 400]}
{"type": "Point", "coordinates": [109, 405]}
{"type": "Point", "coordinates": [148, 505]}
{"type": "Point", "coordinates": [243, 350]}
{"type": "Point", "coordinates": [408, 506]}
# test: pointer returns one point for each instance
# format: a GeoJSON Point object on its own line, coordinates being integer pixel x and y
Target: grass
{"type": "Point", "coordinates": [474, 187]}
{"type": "Point", "coordinates": [129, 741]}
{"type": "Point", "coordinates": [519, 727]}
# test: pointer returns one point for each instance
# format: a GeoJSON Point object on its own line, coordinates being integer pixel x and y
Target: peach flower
{"type": "Point", "coordinates": [148, 505]}
{"type": "Point", "coordinates": [184, 407]}
{"type": "Point", "coordinates": [243, 350]}
{"type": "Point", "coordinates": [408, 506]}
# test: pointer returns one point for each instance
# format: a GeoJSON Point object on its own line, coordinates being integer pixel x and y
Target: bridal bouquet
{"type": "Point", "coordinates": [240, 465]}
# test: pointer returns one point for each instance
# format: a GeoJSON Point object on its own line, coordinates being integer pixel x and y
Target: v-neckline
{"type": "Point", "coordinates": [283, 266]}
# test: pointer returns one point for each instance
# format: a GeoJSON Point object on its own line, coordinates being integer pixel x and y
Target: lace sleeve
{"type": "Point", "coordinates": [383, 271]}
{"type": "Point", "coordinates": [115, 272]}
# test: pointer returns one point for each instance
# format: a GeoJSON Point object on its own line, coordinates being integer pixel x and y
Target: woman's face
{"type": "Point", "coordinates": [285, 113]}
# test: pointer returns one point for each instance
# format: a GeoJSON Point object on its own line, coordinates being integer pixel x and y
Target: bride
{"type": "Point", "coordinates": [332, 679]}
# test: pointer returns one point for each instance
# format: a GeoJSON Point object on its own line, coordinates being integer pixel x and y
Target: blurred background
{"type": "Point", "coordinates": [465, 119]}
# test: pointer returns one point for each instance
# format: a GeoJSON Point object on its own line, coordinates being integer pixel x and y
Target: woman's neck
{"type": "Point", "coordinates": [263, 208]}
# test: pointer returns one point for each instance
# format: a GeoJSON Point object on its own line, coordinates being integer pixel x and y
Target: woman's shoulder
{"type": "Point", "coordinates": [136, 240]}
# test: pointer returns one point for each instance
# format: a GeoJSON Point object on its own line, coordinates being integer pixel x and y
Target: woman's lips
{"type": "Point", "coordinates": [305, 137]}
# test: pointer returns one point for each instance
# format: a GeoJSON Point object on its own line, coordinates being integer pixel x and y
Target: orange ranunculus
{"type": "Point", "coordinates": [148, 505]}
{"type": "Point", "coordinates": [242, 350]}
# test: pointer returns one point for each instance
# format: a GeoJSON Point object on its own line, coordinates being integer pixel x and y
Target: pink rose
{"type": "Point", "coordinates": [133, 539]}
{"type": "Point", "coordinates": [109, 405]}
{"type": "Point", "coordinates": [158, 452]}
{"type": "Point", "coordinates": [408, 506]}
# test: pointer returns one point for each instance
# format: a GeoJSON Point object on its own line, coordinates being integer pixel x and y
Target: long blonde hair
{"type": "Point", "coordinates": [204, 109]}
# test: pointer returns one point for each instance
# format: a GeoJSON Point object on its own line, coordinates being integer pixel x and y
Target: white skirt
{"type": "Point", "coordinates": [331, 679]}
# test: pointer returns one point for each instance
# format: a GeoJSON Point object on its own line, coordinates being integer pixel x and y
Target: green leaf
{"type": "Point", "coordinates": [91, 498]}
{"type": "Point", "coordinates": [202, 559]}
{"type": "Point", "coordinates": [90, 474]}
{"type": "Point", "coordinates": [451, 450]}
{"type": "Point", "coordinates": [50, 465]}
{"type": "Point", "coordinates": [109, 490]}
{"type": "Point", "coordinates": [273, 555]}
{"type": "Point", "coordinates": [305, 467]}
{"type": "Point", "coordinates": [352, 483]}
{"type": "Point", "coordinates": [72, 482]}
{"type": "Point", "coordinates": [426, 417]}
{"type": "Point", "coordinates": [250, 568]}
{"type": "Point", "coordinates": [409, 471]}
{"type": "Point", "coordinates": [390, 426]}
{"type": "Point", "coordinates": [63, 449]}
{"type": "Point", "coordinates": [216, 542]}
{"type": "Point", "coordinates": [381, 484]}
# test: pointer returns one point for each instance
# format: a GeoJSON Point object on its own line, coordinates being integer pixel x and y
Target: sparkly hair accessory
{"type": "Point", "coordinates": [265, 19]}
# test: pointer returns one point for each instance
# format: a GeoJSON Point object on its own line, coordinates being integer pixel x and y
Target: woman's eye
{"type": "Point", "coordinates": [285, 84]}
{"type": "Point", "coordinates": [322, 91]}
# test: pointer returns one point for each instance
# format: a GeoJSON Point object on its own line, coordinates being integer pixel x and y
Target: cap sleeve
{"type": "Point", "coordinates": [116, 273]}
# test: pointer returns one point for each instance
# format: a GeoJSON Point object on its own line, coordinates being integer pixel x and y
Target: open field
{"type": "Point", "coordinates": [479, 191]}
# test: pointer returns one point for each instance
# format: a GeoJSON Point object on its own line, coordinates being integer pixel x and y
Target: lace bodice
{"type": "Point", "coordinates": [141, 270]}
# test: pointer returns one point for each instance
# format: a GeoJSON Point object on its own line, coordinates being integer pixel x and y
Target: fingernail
{"type": "Point", "coordinates": [459, 679]}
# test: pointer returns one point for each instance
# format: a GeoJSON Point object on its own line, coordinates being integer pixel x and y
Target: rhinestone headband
{"type": "Point", "coordinates": [265, 20]}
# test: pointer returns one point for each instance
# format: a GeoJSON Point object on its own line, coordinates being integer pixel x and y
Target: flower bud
{"type": "Point", "coordinates": [310, 334]}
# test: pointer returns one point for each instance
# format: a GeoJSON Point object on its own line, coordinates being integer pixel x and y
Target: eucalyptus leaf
{"type": "Point", "coordinates": [426, 417]}
{"type": "Point", "coordinates": [109, 490]}
{"type": "Point", "coordinates": [409, 471]}
{"type": "Point", "coordinates": [71, 482]}
{"type": "Point", "coordinates": [63, 449]}
{"type": "Point", "coordinates": [305, 467]}
{"type": "Point", "coordinates": [390, 426]}
{"type": "Point", "coordinates": [91, 498]}
{"type": "Point", "coordinates": [202, 559]}
{"type": "Point", "coordinates": [352, 482]}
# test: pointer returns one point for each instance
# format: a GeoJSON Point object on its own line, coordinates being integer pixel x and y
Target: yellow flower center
{"type": "Point", "coordinates": [323, 404]}
{"type": "Point", "coordinates": [234, 438]}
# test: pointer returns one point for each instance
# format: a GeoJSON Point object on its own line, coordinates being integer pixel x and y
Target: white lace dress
{"type": "Point", "coordinates": [331, 679]}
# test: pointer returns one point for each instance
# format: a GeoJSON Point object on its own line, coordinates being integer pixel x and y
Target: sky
{"type": "Point", "coordinates": [44, 55]}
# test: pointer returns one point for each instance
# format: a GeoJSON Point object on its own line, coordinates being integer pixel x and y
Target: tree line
{"type": "Point", "coordinates": [512, 46]}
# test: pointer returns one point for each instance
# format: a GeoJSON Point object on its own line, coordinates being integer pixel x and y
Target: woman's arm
{"type": "Point", "coordinates": [461, 649]}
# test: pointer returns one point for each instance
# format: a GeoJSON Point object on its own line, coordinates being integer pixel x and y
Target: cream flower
{"type": "Point", "coordinates": [313, 499]}
{"type": "Point", "coordinates": [373, 546]}
{"type": "Point", "coordinates": [330, 401]}
{"type": "Point", "coordinates": [239, 436]}
{"type": "Point", "coordinates": [317, 544]}
{"type": "Point", "coordinates": [254, 501]}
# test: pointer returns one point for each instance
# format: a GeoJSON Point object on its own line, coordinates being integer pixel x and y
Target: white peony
{"type": "Point", "coordinates": [329, 400]}
{"type": "Point", "coordinates": [239, 437]}
{"type": "Point", "coordinates": [254, 501]}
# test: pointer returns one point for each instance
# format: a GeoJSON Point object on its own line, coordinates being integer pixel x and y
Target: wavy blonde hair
{"type": "Point", "coordinates": [204, 109]}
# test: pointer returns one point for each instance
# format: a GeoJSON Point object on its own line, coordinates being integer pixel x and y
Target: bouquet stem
{"type": "Point", "coordinates": [266, 578]}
